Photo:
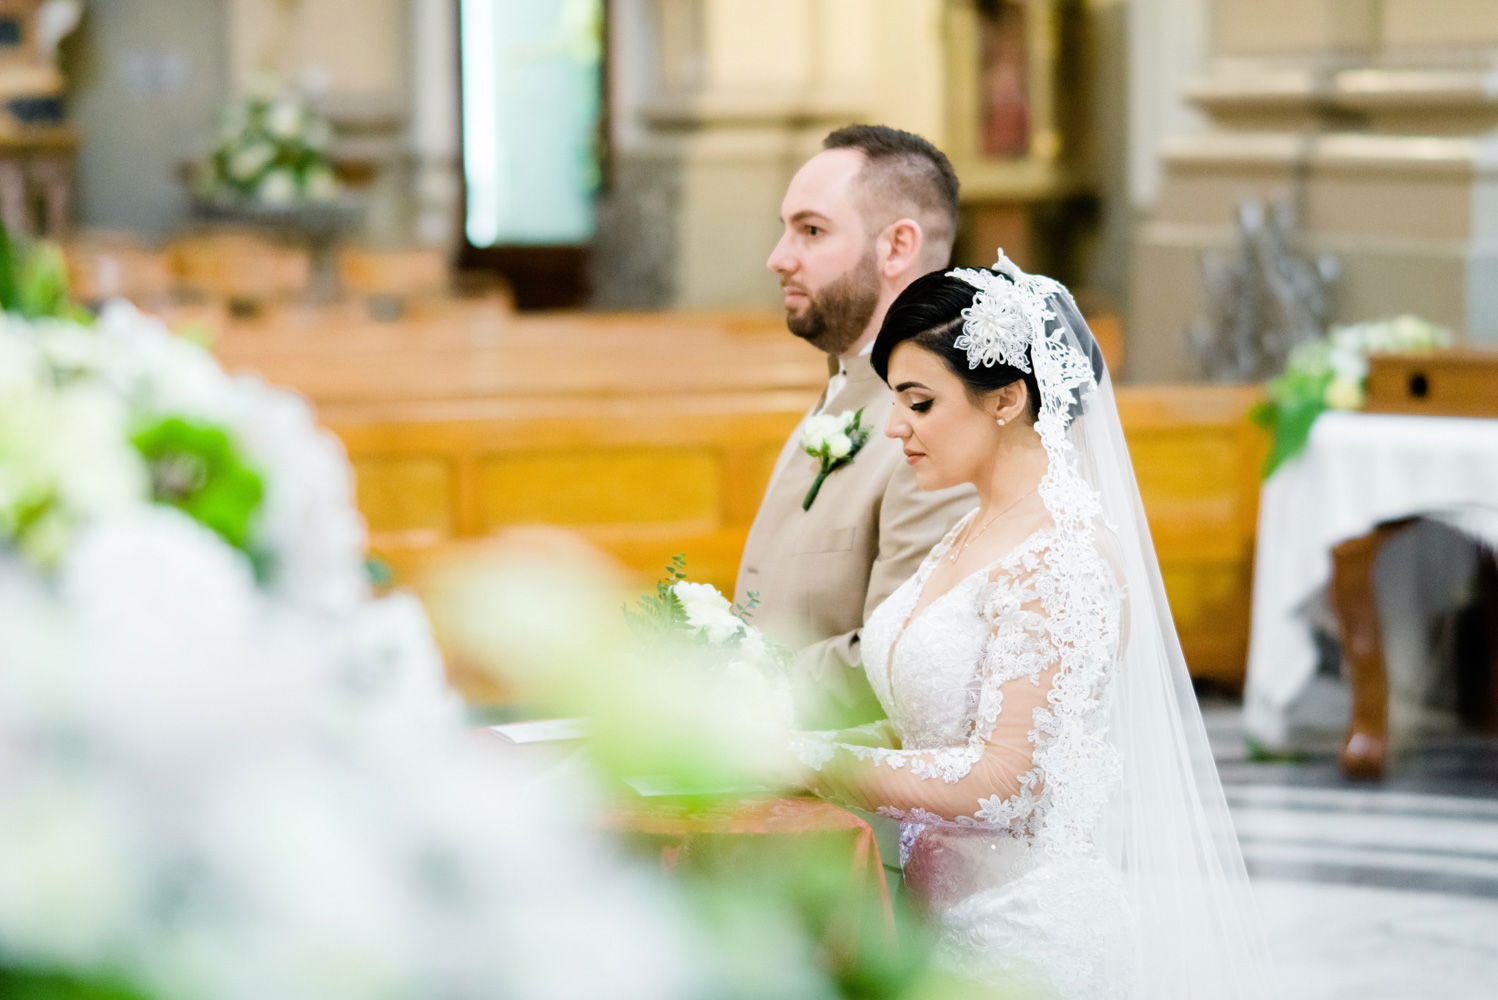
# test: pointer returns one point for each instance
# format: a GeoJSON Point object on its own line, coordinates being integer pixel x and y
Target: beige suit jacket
{"type": "Point", "coordinates": [818, 573]}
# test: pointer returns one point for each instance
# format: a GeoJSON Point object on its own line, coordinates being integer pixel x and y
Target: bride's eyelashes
{"type": "Point", "coordinates": [922, 406]}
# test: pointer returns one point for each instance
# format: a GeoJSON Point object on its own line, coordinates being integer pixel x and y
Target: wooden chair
{"type": "Point", "coordinates": [243, 270]}
{"type": "Point", "coordinates": [387, 280]}
{"type": "Point", "coordinates": [105, 264]}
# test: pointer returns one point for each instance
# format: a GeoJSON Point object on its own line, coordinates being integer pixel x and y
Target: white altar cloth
{"type": "Point", "coordinates": [1357, 471]}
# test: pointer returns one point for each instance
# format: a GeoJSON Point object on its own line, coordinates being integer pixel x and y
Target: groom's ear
{"type": "Point", "coordinates": [898, 248]}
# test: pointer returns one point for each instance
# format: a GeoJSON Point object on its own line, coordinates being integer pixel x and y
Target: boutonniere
{"type": "Point", "coordinates": [832, 441]}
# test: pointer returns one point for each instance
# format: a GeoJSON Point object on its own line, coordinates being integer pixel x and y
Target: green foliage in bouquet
{"type": "Point", "coordinates": [34, 281]}
{"type": "Point", "coordinates": [1330, 373]}
{"type": "Point", "coordinates": [23, 984]}
{"type": "Point", "coordinates": [198, 469]}
{"type": "Point", "coordinates": [272, 149]}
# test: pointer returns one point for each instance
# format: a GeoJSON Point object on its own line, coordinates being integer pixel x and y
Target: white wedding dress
{"type": "Point", "coordinates": [988, 686]}
{"type": "Point", "coordinates": [1063, 821]}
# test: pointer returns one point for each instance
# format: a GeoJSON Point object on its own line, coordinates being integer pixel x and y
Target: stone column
{"type": "Point", "coordinates": [716, 103]}
{"type": "Point", "coordinates": [1380, 119]}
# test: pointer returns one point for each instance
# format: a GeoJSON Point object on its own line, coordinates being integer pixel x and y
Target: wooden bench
{"type": "Point", "coordinates": [652, 434]}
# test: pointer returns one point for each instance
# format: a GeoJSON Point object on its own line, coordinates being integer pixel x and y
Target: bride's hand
{"type": "Point", "coordinates": [879, 733]}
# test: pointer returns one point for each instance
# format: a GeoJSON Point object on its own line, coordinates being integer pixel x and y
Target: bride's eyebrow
{"type": "Point", "coordinates": [910, 385]}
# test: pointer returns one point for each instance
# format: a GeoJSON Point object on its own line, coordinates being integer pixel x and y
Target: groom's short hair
{"type": "Point", "coordinates": [904, 175]}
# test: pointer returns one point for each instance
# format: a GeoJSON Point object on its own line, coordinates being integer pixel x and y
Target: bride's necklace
{"type": "Point", "coordinates": [973, 536]}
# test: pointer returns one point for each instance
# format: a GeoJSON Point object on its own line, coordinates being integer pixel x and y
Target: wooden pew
{"type": "Point", "coordinates": [1197, 458]}
{"type": "Point", "coordinates": [652, 434]}
{"type": "Point", "coordinates": [481, 356]}
{"type": "Point", "coordinates": [644, 480]}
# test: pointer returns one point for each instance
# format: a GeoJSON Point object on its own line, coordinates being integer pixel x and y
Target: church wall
{"type": "Point", "coordinates": [1376, 120]}
{"type": "Point", "coordinates": [145, 78]}
{"type": "Point", "coordinates": [715, 103]}
{"type": "Point", "coordinates": [338, 46]}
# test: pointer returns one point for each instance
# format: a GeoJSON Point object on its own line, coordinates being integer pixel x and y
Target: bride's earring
{"type": "Point", "coordinates": [1000, 421]}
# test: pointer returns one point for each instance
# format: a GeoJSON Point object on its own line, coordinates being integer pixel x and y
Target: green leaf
{"type": "Point", "coordinates": [34, 281]}
{"type": "Point", "coordinates": [26, 984]}
{"type": "Point", "coordinates": [1295, 400]}
{"type": "Point", "coordinates": [8, 294]}
{"type": "Point", "coordinates": [198, 469]}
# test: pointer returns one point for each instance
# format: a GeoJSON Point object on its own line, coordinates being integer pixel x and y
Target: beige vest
{"type": "Point", "coordinates": [819, 572]}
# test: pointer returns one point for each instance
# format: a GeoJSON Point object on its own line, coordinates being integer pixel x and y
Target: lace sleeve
{"type": "Point", "coordinates": [1051, 636]}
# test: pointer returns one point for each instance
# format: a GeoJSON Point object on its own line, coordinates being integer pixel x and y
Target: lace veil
{"type": "Point", "coordinates": [1167, 829]}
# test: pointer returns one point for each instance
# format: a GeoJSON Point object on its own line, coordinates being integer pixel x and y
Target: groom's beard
{"type": "Point", "coordinates": [837, 316]}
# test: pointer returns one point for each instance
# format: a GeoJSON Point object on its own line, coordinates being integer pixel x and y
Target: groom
{"type": "Point", "coordinates": [866, 216]}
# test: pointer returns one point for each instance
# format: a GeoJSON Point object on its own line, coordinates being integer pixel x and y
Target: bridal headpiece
{"type": "Point", "coordinates": [1013, 321]}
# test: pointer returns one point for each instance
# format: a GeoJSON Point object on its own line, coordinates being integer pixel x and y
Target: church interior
{"type": "Point", "coordinates": [512, 254]}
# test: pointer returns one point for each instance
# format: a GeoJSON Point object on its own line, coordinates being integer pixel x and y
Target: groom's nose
{"type": "Point", "coordinates": [781, 261]}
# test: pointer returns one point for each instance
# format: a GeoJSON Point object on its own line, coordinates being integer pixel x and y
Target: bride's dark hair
{"type": "Point", "coordinates": [928, 313]}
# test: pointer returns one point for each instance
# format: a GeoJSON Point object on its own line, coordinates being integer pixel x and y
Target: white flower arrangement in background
{"type": "Point", "coordinates": [271, 149]}
{"type": "Point", "coordinates": [1331, 373]}
{"type": "Point", "coordinates": [833, 440]}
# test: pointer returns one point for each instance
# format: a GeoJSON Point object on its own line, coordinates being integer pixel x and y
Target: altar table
{"type": "Point", "coordinates": [1359, 476]}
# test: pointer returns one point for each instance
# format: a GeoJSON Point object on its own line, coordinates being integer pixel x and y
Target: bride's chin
{"type": "Point", "coordinates": [927, 478]}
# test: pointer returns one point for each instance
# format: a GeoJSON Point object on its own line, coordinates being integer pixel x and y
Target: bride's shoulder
{"type": "Point", "coordinates": [1048, 550]}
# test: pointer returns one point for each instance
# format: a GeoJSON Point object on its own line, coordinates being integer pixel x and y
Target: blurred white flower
{"type": "Point", "coordinates": [122, 571]}
{"type": "Point", "coordinates": [277, 187]}
{"type": "Point", "coordinates": [68, 887]}
{"type": "Point", "coordinates": [1345, 393]}
{"type": "Point", "coordinates": [64, 458]}
{"type": "Point", "coordinates": [308, 526]}
{"type": "Point", "coordinates": [286, 118]}
{"type": "Point", "coordinates": [320, 184]}
{"type": "Point", "coordinates": [160, 373]}
{"type": "Point", "coordinates": [839, 445]}
{"type": "Point", "coordinates": [1348, 362]}
{"type": "Point", "coordinates": [247, 163]}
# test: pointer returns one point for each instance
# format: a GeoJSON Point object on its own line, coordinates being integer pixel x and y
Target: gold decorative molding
{"type": "Point", "coordinates": [1049, 167]}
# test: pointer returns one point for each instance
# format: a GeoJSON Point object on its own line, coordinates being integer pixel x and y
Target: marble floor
{"type": "Point", "coordinates": [1373, 890]}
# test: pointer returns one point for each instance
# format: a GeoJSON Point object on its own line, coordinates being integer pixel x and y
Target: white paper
{"type": "Point", "coordinates": [540, 730]}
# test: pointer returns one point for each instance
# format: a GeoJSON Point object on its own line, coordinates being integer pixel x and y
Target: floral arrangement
{"type": "Point", "coordinates": [696, 627]}
{"type": "Point", "coordinates": [227, 768]}
{"type": "Point", "coordinates": [1330, 373]}
{"type": "Point", "coordinates": [680, 608]}
{"type": "Point", "coordinates": [833, 440]}
{"type": "Point", "coordinates": [272, 150]}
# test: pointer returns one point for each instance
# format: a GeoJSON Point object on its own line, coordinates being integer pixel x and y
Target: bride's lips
{"type": "Point", "coordinates": [913, 457]}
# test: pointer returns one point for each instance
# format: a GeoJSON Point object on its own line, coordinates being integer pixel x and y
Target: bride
{"type": "Point", "coordinates": [1062, 821]}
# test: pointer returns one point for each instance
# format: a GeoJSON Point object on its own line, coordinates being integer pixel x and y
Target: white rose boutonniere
{"type": "Point", "coordinates": [833, 441]}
